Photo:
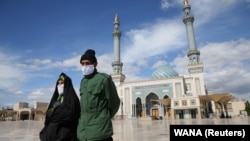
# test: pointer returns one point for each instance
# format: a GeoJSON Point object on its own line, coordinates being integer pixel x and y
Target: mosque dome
{"type": "Point", "coordinates": [163, 72]}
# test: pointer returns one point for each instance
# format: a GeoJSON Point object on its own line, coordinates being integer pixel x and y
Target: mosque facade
{"type": "Point", "coordinates": [165, 94]}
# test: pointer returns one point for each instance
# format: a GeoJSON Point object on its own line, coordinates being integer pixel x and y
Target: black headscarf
{"type": "Point", "coordinates": [61, 121]}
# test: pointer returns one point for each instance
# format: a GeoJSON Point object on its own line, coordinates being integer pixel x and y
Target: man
{"type": "Point", "coordinates": [99, 102]}
{"type": "Point", "coordinates": [63, 112]}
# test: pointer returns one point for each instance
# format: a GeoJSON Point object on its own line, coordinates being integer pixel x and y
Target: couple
{"type": "Point", "coordinates": [68, 119]}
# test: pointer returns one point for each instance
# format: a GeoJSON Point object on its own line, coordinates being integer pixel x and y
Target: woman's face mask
{"type": "Point", "coordinates": [88, 69]}
{"type": "Point", "coordinates": [60, 88]}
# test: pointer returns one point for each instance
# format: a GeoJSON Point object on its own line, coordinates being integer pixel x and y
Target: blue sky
{"type": "Point", "coordinates": [39, 39]}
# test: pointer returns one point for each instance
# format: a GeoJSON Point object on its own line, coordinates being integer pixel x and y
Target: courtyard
{"type": "Point", "coordinates": [124, 130]}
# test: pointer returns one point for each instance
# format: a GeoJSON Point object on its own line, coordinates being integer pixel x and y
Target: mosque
{"type": "Point", "coordinates": [166, 94]}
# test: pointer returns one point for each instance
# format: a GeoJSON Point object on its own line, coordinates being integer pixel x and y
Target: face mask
{"type": "Point", "coordinates": [86, 70]}
{"type": "Point", "coordinates": [60, 88]}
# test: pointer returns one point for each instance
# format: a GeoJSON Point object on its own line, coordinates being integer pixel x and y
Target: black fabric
{"type": "Point", "coordinates": [89, 55]}
{"type": "Point", "coordinates": [62, 118]}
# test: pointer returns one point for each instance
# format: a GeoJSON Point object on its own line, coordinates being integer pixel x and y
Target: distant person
{"type": "Point", "coordinates": [99, 102]}
{"type": "Point", "coordinates": [63, 113]}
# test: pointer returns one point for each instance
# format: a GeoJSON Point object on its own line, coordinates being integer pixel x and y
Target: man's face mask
{"type": "Point", "coordinates": [88, 69]}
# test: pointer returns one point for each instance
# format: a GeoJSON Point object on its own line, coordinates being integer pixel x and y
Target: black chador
{"type": "Point", "coordinates": [63, 113]}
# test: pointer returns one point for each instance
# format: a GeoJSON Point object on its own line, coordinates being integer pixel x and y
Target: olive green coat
{"type": "Point", "coordinates": [99, 103]}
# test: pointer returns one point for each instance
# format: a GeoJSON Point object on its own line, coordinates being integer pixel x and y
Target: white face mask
{"type": "Point", "coordinates": [60, 88]}
{"type": "Point", "coordinates": [86, 70]}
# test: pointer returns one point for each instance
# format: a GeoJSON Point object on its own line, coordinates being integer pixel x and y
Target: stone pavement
{"type": "Point", "coordinates": [124, 130]}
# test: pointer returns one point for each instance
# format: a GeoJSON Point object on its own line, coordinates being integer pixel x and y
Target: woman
{"type": "Point", "coordinates": [63, 113]}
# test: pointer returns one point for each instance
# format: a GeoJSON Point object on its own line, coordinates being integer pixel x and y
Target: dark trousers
{"type": "Point", "coordinates": [107, 139]}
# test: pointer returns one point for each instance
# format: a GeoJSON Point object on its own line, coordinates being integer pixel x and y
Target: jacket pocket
{"type": "Point", "coordinates": [94, 96]}
{"type": "Point", "coordinates": [95, 88]}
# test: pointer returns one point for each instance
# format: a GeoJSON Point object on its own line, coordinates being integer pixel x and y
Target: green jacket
{"type": "Point", "coordinates": [99, 103]}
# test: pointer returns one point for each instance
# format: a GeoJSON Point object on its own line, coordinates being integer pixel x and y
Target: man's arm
{"type": "Point", "coordinates": [112, 96]}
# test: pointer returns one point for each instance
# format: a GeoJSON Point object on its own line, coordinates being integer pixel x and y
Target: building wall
{"type": "Point", "coordinates": [237, 108]}
{"type": "Point", "coordinates": [20, 105]}
{"type": "Point", "coordinates": [183, 97]}
{"type": "Point", "coordinates": [41, 105]}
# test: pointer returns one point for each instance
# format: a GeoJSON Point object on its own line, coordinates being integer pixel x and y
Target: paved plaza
{"type": "Point", "coordinates": [124, 130]}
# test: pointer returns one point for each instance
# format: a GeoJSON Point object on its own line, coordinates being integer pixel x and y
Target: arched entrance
{"type": "Point", "coordinates": [138, 107]}
{"type": "Point", "coordinates": [24, 115]}
{"type": "Point", "coordinates": [149, 103]}
{"type": "Point", "coordinates": [167, 107]}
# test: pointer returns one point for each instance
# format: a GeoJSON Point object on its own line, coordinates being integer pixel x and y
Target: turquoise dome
{"type": "Point", "coordinates": [163, 72]}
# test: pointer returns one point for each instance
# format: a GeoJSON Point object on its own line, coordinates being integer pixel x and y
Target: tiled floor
{"type": "Point", "coordinates": [124, 130]}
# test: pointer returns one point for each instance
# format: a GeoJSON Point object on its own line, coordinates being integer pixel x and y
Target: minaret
{"type": "Point", "coordinates": [194, 66]}
{"type": "Point", "coordinates": [117, 64]}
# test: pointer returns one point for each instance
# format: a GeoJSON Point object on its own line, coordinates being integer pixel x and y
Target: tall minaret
{"type": "Point", "coordinates": [117, 64]}
{"type": "Point", "coordinates": [194, 66]}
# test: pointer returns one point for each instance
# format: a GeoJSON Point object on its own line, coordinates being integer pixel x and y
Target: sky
{"type": "Point", "coordinates": [39, 39]}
